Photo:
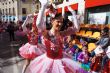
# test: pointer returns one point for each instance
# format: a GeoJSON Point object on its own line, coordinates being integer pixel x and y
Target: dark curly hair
{"type": "Point", "coordinates": [106, 30]}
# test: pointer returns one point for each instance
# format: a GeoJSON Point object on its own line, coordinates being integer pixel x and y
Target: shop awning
{"type": "Point", "coordinates": [93, 3]}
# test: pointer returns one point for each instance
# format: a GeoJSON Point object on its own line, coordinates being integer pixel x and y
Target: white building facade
{"type": "Point", "coordinates": [16, 10]}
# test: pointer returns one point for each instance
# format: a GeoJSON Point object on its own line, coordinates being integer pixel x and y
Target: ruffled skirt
{"type": "Point", "coordinates": [43, 64]}
{"type": "Point", "coordinates": [29, 51]}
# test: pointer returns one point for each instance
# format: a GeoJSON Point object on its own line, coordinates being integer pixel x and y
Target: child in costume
{"type": "Point", "coordinates": [73, 50]}
{"type": "Point", "coordinates": [53, 61]}
{"type": "Point", "coordinates": [84, 59]}
{"type": "Point", "coordinates": [31, 49]}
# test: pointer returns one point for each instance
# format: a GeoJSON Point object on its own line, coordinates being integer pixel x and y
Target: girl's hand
{"type": "Point", "coordinates": [71, 10]}
{"type": "Point", "coordinates": [44, 2]}
{"type": "Point", "coordinates": [30, 15]}
{"type": "Point", "coordinates": [93, 59]}
{"type": "Point", "coordinates": [98, 55]}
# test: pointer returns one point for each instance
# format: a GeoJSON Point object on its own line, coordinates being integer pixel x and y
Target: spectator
{"type": "Point", "coordinates": [104, 40]}
{"type": "Point", "coordinates": [84, 59]}
{"type": "Point", "coordinates": [10, 30]}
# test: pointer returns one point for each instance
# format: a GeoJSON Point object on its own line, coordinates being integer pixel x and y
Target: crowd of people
{"type": "Point", "coordinates": [8, 27]}
{"type": "Point", "coordinates": [14, 30]}
{"type": "Point", "coordinates": [53, 50]}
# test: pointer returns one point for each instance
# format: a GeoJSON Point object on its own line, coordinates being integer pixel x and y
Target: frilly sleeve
{"type": "Point", "coordinates": [74, 18]}
{"type": "Point", "coordinates": [41, 20]}
{"type": "Point", "coordinates": [26, 22]}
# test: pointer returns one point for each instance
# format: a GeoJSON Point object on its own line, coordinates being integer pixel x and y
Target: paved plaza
{"type": "Point", "coordinates": [10, 61]}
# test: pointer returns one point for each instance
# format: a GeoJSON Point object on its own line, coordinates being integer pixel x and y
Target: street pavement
{"type": "Point", "coordinates": [15, 66]}
{"type": "Point", "coordinates": [10, 61]}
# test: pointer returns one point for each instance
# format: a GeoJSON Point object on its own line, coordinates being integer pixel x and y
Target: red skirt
{"type": "Point", "coordinates": [97, 65]}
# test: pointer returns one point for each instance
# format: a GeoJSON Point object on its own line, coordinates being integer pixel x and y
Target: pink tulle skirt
{"type": "Point", "coordinates": [29, 51]}
{"type": "Point", "coordinates": [43, 64]}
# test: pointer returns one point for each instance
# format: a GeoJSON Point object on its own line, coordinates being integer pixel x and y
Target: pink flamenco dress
{"type": "Point", "coordinates": [29, 50]}
{"type": "Point", "coordinates": [53, 60]}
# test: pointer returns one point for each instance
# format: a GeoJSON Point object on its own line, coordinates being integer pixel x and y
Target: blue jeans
{"type": "Point", "coordinates": [104, 60]}
{"type": "Point", "coordinates": [92, 54]}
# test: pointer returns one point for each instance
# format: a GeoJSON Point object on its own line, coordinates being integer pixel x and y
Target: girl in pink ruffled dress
{"type": "Point", "coordinates": [31, 49]}
{"type": "Point", "coordinates": [53, 61]}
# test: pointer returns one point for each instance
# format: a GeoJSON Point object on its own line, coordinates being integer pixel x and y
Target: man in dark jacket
{"type": "Point", "coordinates": [103, 43]}
{"type": "Point", "coordinates": [10, 29]}
{"type": "Point", "coordinates": [104, 40]}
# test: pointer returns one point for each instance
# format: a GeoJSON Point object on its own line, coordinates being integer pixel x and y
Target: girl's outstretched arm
{"type": "Point", "coordinates": [74, 18]}
{"type": "Point", "coordinates": [26, 22]}
{"type": "Point", "coordinates": [41, 15]}
{"type": "Point", "coordinates": [75, 27]}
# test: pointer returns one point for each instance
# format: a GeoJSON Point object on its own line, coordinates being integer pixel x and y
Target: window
{"type": "Point", "coordinates": [13, 11]}
{"type": "Point", "coordinates": [6, 11]}
{"type": "Point", "coordinates": [37, 6]}
{"type": "Point", "coordinates": [3, 11]}
{"type": "Point", "coordinates": [9, 2]}
{"type": "Point", "coordinates": [0, 11]}
{"type": "Point", "coordinates": [40, 5]}
{"type": "Point", "coordinates": [23, 0]}
{"type": "Point", "coordinates": [9, 10]}
{"type": "Point", "coordinates": [13, 1]}
{"type": "Point", "coordinates": [23, 10]}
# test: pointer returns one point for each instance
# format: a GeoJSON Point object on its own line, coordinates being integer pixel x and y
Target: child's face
{"type": "Point", "coordinates": [84, 49]}
{"type": "Point", "coordinates": [69, 39]}
{"type": "Point", "coordinates": [70, 44]}
{"type": "Point", "coordinates": [76, 50]}
{"type": "Point", "coordinates": [33, 38]}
